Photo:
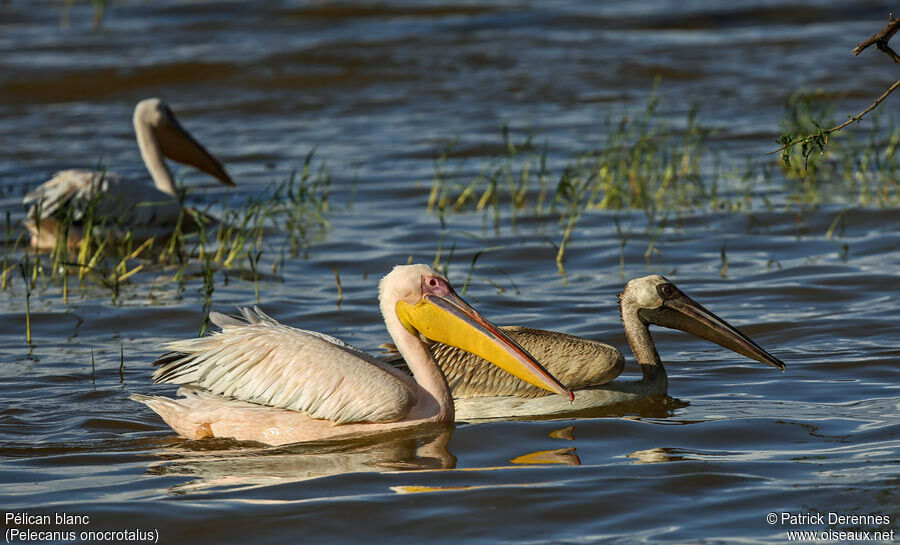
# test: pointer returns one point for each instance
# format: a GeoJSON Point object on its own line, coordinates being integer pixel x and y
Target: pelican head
{"type": "Point", "coordinates": [426, 305]}
{"type": "Point", "coordinates": [656, 300]}
{"type": "Point", "coordinates": [159, 133]}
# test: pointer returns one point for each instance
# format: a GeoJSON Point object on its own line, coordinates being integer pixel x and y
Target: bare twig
{"type": "Point", "coordinates": [852, 119]}
{"type": "Point", "coordinates": [880, 40]}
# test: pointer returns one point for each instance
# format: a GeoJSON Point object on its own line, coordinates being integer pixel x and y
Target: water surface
{"type": "Point", "coordinates": [379, 90]}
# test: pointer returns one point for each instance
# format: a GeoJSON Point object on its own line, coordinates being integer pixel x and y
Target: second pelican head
{"type": "Point", "coordinates": [656, 300]}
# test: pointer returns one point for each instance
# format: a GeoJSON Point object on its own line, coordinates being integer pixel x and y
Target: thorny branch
{"type": "Point", "coordinates": [820, 138]}
{"type": "Point", "coordinates": [881, 40]}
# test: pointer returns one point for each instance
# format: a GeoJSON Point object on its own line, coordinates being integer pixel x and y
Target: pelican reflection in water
{"type": "Point", "coordinates": [250, 465]}
{"type": "Point", "coordinates": [129, 203]}
{"type": "Point", "coordinates": [587, 366]}
{"type": "Point", "coordinates": [259, 380]}
{"type": "Point", "coordinates": [216, 466]}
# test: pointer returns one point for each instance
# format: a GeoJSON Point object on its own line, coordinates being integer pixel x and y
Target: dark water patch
{"type": "Point", "coordinates": [342, 11]}
{"type": "Point", "coordinates": [752, 16]}
{"type": "Point", "coordinates": [70, 86]}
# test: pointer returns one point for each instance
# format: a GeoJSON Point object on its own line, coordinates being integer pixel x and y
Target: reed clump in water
{"type": "Point", "coordinates": [861, 167]}
{"type": "Point", "coordinates": [649, 163]}
{"type": "Point", "coordinates": [277, 221]}
{"type": "Point", "coordinates": [664, 168]}
{"type": "Point", "coordinates": [645, 163]}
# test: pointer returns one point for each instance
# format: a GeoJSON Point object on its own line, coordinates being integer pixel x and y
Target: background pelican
{"type": "Point", "coordinates": [127, 202]}
{"type": "Point", "coordinates": [586, 366]}
{"type": "Point", "coordinates": [262, 381]}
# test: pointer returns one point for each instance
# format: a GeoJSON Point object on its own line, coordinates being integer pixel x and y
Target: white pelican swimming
{"type": "Point", "coordinates": [258, 380]}
{"type": "Point", "coordinates": [127, 203]}
{"type": "Point", "coordinates": [587, 366]}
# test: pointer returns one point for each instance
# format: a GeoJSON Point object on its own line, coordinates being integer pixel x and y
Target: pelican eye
{"type": "Point", "coordinates": [667, 291]}
{"type": "Point", "coordinates": [436, 286]}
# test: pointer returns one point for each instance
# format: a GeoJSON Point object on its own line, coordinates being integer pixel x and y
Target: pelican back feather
{"type": "Point", "coordinates": [112, 198]}
{"type": "Point", "coordinates": [575, 361]}
{"type": "Point", "coordinates": [259, 360]}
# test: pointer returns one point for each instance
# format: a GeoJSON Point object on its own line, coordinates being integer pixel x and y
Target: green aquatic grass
{"type": "Point", "coordinates": [649, 162]}
{"type": "Point", "coordinates": [24, 268]}
{"type": "Point", "coordinates": [340, 289]}
{"type": "Point", "coordinates": [654, 162]}
{"type": "Point", "coordinates": [859, 167]}
{"type": "Point", "coordinates": [277, 221]}
{"type": "Point", "coordinates": [645, 163]}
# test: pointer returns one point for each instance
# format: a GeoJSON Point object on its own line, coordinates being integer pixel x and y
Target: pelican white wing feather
{"type": "Point", "coordinates": [64, 187]}
{"type": "Point", "coordinates": [262, 361]}
{"type": "Point", "coordinates": [113, 198]}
